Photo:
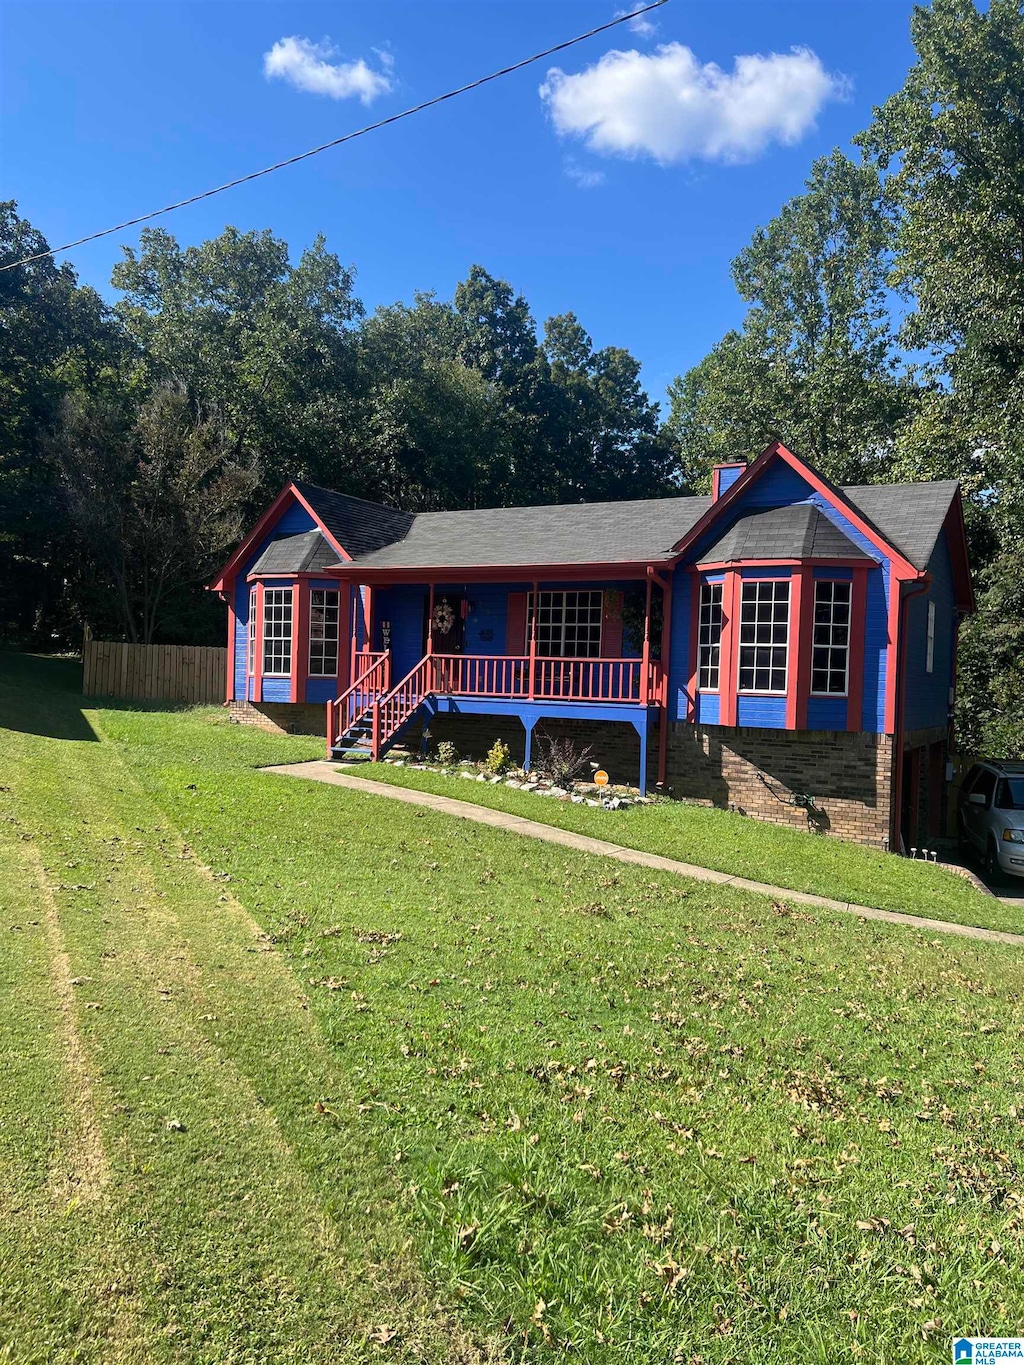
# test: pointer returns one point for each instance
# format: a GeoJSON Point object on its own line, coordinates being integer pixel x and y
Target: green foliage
{"type": "Point", "coordinates": [499, 759]}
{"type": "Point", "coordinates": [447, 754]}
{"type": "Point", "coordinates": [815, 363]}
{"type": "Point", "coordinates": [634, 612]}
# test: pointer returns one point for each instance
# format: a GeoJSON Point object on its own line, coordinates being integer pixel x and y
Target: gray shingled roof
{"type": "Point", "coordinates": [572, 533]}
{"type": "Point", "coordinates": [799, 531]}
{"type": "Point", "coordinates": [909, 515]}
{"type": "Point", "coordinates": [356, 524]}
{"type": "Point", "coordinates": [303, 553]}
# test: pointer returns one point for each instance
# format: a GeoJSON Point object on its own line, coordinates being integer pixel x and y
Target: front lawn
{"type": "Point", "coordinates": [742, 847]}
{"type": "Point", "coordinates": [470, 1097]}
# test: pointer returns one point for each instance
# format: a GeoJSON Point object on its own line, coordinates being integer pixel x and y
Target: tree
{"type": "Point", "coordinates": [432, 427]}
{"type": "Point", "coordinates": [815, 363]}
{"type": "Point", "coordinates": [54, 336]}
{"type": "Point", "coordinates": [951, 147]}
{"type": "Point", "coordinates": [235, 328]}
{"type": "Point", "coordinates": [154, 499]}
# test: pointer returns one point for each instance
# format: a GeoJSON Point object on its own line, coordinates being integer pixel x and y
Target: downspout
{"type": "Point", "coordinates": [897, 741]}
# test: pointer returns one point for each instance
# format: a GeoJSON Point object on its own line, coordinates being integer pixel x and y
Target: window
{"type": "Point", "coordinates": [830, 658]}
{"type": "Point", "coordinates": [929, 658]}
{"type": "Point", "coordinates": [568, 624]}
{"type": "Point", "coordinates": [709, 646]}
{"type": "Point", "coordinates": [323, 632]}
{"type": "Point", "coordinates": [251, 657]}
{"type": "Point", "coordinates": [277, 632]}
{"type": "Point", "coordinates": [764, 635]}
{"type": "Point", "coordinates": [1010, 794]}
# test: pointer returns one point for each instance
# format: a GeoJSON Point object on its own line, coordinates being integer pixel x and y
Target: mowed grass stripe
{"type": "Point", "coordinates": [235, 1255]}
{"type": "Point", "coordinates": [638, 1114]}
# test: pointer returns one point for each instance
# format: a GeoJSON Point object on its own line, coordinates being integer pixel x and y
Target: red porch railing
{"type": "Point", "coordinates": [372, 678]}
{"type": "Point", "coordinates": [606, 680]}
{"type": "Point", "coordinates": [384, 709]}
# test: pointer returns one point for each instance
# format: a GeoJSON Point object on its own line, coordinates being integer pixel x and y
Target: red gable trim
{"type": "Point", "coordinates": [956, 541]}
{"type": "Point", "coordinates": [900, 564]}
{"type": "Point", "coordinates": [287, 494]}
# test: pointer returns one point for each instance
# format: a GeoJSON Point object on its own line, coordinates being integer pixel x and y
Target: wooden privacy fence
{"type": "Point", "coordinates": [189, 674]}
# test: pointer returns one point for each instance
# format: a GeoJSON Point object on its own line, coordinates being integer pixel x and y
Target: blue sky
{"type": "Point", "coordinates": [622, 195]}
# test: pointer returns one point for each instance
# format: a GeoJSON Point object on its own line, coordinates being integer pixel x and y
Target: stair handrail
{"type": "Point", "coordinates": [335, 729]}
{"type": "Point", "coordinates": [391, 711]}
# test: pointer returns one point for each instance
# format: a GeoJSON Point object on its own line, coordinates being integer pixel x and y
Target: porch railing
{"type": "Point", "coordinates": [483, 675]}
{"type": "Point", "coordinates": [372, 675]}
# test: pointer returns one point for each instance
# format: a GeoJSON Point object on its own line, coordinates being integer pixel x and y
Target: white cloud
{"type": "Point", "coordinates": [307, 66]}
{"type": "Point", "coordinates": [643, 25]}
{"type": "Point", "coordinates": [669, 106]}
{"type": "Point", "coordinates": [583, 176]}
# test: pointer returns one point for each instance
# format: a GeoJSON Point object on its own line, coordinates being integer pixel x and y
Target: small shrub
{"type": "Point", "coordinates": [447, 754]}
{"type": "Point", "coordinates": [499, 759]}
{"type": "Point", "coordinates": [560, 760]}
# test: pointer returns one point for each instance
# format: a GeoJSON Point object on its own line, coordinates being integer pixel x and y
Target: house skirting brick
{"type": "Point", "coordinates": [281, 717]}
{"type": "Point", "coordinates": [848, 774]}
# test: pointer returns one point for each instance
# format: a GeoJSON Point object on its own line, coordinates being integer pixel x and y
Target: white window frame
{"type": "Point", "coordinates": [757, 584]}
{"type": "Point", "coordinates": [557, 602]}
{"type": "Point", "coordinates": [709, 636]}
{"type": "Point", "coordinates": [323, 639]}
{"type": "Point", "coordinates": [929, 654]}
{"type": "Point", "coordinates": [833, 627]}
{"type": "Point", "coordinates": [278, 619]}
{"type": "Point", "coordinates": [250, 658]}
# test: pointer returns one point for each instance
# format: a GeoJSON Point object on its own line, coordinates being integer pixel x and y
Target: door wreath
{"type": "Point", "coordinates": [443, 620]}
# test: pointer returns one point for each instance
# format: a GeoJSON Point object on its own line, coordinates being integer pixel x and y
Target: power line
{"type": "Point", "coordinates": [337, 142]}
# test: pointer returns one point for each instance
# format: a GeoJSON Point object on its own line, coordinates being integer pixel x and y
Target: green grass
{"type": "Point", "coordinates": [488, 1094]}
{"type": "Point", "coordinates": [741, 847]}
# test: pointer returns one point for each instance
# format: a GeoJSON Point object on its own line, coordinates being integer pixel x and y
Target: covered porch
{"type": "Point", "coordinates": [549, 650]}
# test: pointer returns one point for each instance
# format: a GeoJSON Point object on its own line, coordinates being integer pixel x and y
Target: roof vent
{"type": "Point", "coordinates": [723, 476]}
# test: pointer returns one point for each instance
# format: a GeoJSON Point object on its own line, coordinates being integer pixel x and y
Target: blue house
{"type": "Point", "coordinates": [782, 646]}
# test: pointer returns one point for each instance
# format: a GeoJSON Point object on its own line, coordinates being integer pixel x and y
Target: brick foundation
{"type": "Point", "coordinates": [281, 717]}
{"type": "Point", "coordinates": [849, 775]}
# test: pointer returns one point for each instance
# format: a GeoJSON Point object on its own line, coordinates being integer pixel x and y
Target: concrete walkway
{"type": "Point", "coordinates": [552, 834]}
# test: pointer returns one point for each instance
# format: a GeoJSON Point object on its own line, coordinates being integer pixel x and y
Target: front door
{"type": "Point", "coordinates": [446, 628]}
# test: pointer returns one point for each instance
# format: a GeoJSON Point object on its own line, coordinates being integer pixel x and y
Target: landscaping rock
{"type": "Point", "coordinates": [481, 777]}
{"type": "Point", "coordinates": [471, 776]}
{"type": "Point", "coordinates": [592, 802]}
{"type": "Point", "coordinates": [577, 800]}
{"type": "Point", "coordinates": [495, 780]}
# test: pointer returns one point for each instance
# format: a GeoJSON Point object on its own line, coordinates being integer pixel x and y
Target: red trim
{"type": "Point", "coordinates": [300, 640]}
{"type": "Point", "coordinates": [232, 627]}
{"type": "Point", "coordinates": [666, 664]}
{"type": "Point", "coordinates": [693, 651]}
{"type": "Point", "coordinates": [801, 639]}
{"type": "Point", "coordinates": [858, 634]}
{"type": "Point", "coordinates": [513, 574]}
{"type": "Point", "coordinates": [329, 580]}
{"type": "Point", "coordinates": [754, 471]}
{"type": "Point", "coordinates": [289, 491]}
{"type": "Point", "coordinates": [345, 649]}
{"type": "Point", "coordinates": [728, 678]}
{"type": "Point", "coordinates": [956, 541]}
{"type": "Point", "coordinates": [257, 653]}
{"type": "Point", "coordinates": [719, 565]}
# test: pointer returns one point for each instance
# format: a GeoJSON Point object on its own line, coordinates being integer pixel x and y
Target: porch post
{"type": "Point", "coordinates": [645, 653]}
{"type": "Point", "coordinates": [430, 621]}
{"type": "Point", "coordinates": [533, 646]}
{"type": "Point", "coordinates": [666, 699]}
{"type": "Point", "coordinates": [528, 727]}
{"type": "Point", "coordinates": [642, 731]}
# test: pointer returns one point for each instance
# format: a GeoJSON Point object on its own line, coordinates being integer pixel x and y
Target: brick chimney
{"type": "Point", "coordinates": [723, 476]}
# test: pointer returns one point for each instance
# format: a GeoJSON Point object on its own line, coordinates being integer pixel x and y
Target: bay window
{"type": "Point", "coordinates": [764, 635]}
{"type": "Point", "coordinates": [830, 656]}
{"type": "Point", "coordinates": [323, 632]}
{"type": "Point", "coordinates": [709, 644]}
{"type": "Point", "coordinates": [277, 632]}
